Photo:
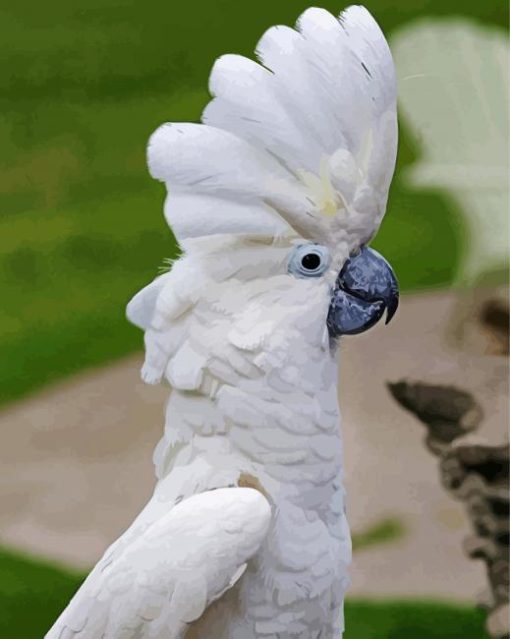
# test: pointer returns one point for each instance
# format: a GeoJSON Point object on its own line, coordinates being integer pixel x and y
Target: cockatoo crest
{"type": "Point", "coordinates": [301, 145]}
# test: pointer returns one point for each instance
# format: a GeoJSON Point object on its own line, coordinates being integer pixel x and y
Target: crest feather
{"type": "Point", "coordinates": [302, 143]}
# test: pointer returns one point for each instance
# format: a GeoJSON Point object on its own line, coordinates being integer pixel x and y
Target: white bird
{"type": "Point", "coordinates": [273, 200]}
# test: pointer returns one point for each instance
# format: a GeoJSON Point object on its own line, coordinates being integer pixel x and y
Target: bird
{"type": "Point", "coordinates": [273, 198]}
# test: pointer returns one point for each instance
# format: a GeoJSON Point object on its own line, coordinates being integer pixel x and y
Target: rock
{"type": "Point", "coordinates": [466, 418]}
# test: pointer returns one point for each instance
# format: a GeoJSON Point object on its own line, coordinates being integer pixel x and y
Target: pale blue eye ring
{"type": "Point", "coordinates": [309, 260]}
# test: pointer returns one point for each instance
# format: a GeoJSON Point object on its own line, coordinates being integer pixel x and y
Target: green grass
{"type": "Point", "coordinates": [32, 594]}
{"type": "Point", "coordinates": [82, 86]}
{"type": "Point", "coordinates": [412, 620]}
{"type": "Point", "coordinates": [383, 532]}
{"type": "Point", "coordinates": [75, 247]}
{"type": "Point", "coordinates": [108, 47]}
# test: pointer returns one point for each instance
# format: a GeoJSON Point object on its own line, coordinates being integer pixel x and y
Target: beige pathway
{"type": "Point", "coordinates": [76, 462]}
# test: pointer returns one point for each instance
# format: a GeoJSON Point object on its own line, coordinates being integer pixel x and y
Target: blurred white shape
{"type": "Point", "coordinates": [454, 94]}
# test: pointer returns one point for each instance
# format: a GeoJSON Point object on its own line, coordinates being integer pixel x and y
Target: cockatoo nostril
{"type": "Point", "coordinates": [365, 288]}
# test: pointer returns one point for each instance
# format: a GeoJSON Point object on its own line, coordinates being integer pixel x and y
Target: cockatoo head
{"type": "Point", "coordinates": [275, 197]}
{"type": "Point", "coordinates": [297, 282]}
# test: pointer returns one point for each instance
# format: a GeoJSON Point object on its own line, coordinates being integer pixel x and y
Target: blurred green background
{"type": "Point", "coordinates": [43, 589]}
{"type": "Point", "coordinates": [82, 86]}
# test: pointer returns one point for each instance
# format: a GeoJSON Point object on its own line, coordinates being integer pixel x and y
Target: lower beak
{"type": "Point", "coordinates": [366, 287]}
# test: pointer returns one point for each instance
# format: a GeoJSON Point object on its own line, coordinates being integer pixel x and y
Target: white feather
{"type": "Point", "coordinates": [303, 143]}
{"type": "Point", "coordinates": [142, 307]}
{"type": "Point", "coordinates": [156, 583]}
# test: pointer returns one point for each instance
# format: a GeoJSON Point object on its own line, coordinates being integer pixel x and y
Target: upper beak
{"type": "Point", "coordinates": [365, 288]}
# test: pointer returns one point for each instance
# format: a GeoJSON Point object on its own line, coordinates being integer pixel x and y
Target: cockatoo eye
{"type": "Point", "coordinates": [309, 260]}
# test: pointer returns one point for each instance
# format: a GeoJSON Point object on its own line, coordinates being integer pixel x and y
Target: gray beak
{"type": "Point", "coordinates": [365, 288]}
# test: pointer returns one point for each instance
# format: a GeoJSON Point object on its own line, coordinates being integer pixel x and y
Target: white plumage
{"type": "Point", "coordinates": [145, 587]}
{"type": "Point", "coordinates": [306, 139]}
{"type": "Point", "coordinates": [298, 148]}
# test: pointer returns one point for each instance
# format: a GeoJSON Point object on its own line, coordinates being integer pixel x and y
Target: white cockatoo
{"type": "Point", "coordinates": [273, 200]}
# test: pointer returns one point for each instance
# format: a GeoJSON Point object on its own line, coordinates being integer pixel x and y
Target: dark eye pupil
{"type": "Point", "coordinates": [311, 261]}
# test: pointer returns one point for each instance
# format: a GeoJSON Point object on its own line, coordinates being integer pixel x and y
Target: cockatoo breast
{"type": "Point", "coordinates": [254, 346]}
{"type": "Point", "coordinates": [254, 399]}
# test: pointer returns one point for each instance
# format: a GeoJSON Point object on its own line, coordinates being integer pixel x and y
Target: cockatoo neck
{"type": "Point", "coordinates": [281, 427]}
{"type": "Point", "coordinates": [246, 349]}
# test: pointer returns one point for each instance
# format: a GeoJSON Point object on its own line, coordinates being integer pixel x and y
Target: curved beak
{"type": "Point", "coordinates": [366, 287]}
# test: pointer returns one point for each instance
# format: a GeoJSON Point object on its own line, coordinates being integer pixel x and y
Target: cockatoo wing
{"type": "Point", "coordinates": [156, 584]}
{"type": "Point", "coordinates": [454, 93]}
{"type": "Point", "coordinates": [304, 142]}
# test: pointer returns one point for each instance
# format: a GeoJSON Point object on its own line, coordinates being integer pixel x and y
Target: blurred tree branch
{"type": "Point", "coordinates": [475, 473]}
{"type": "Point", "coordinates": [467, 429]}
